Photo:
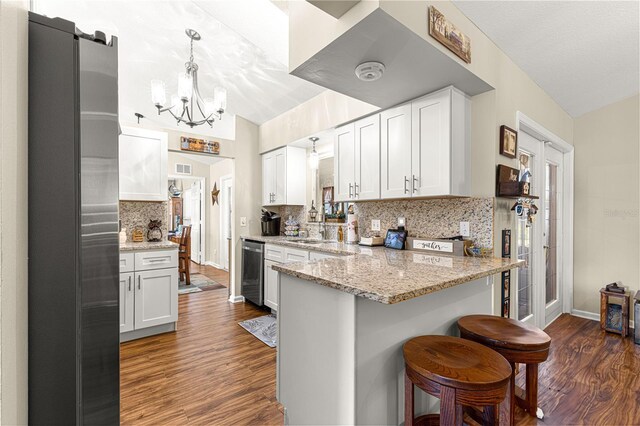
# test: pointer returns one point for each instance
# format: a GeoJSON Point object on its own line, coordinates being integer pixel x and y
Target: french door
{"type": "Point", "coordinates": [539, 239]}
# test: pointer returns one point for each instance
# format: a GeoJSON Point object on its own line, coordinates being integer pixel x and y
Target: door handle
{"type": "Point", "coordinates": [350, 186]}
{"type": "Point", "coordinates": [129, 282]}
{"type": "Point", "coordinates": [413, 183]}
{"type": "Point", "coordinates": [405, 184]}
{"type": "Point", "coordinates": [355, 189]}
{"type": "Point", "coordinates": [138, 282]}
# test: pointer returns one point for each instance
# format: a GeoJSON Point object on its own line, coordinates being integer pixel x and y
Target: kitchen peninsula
{"type": "Point", "coordinates": [342, 322]}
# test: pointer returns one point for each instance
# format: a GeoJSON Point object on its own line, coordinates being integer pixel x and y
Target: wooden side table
{"type": "Point", "coordinates": [612, 319]}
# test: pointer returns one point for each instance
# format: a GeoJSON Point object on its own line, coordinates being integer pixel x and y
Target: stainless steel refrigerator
{"type": "Point", "coordinates": [73, 225]}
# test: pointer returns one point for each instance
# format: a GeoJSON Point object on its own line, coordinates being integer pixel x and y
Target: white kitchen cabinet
{"type": "Point", "coordinates": [284, 176]}
{"type": "Point", "coordinates": [156, 297]}
{"type": "Point", "coordinates": [270, 285]}
{"type": "Point", "coordinates": [143, 165]}
{"type": "Point", "coordinates": [357, 160]}
{"type": "Point", "coordinates": [425, 147]}
{"type": "Point", "coordinates": [148, 292]}
{"type": "Point", "coordinates": [126, 301]}
{"type": "Point", "coordinates": [295, 255]}
{"type": "Point", "coordinates": [395, 137]}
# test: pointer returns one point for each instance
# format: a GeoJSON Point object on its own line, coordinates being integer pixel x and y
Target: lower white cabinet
{"type": "Point", "coordinates": [156, 297]}
{"type": "Point", "coordinates": [270, 285]}
{"type": "Point", "coordinates": [149, 297]}
{"type": "Point", "coordinates": [126, 302]}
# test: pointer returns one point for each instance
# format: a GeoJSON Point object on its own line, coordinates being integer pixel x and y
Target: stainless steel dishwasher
{"type": "Point", "coordinates": [252, 274]}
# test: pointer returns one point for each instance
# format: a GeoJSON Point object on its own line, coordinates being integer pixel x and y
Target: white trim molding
{"type": "Point", "coordinates": [236, 299]}
{"type": "Point", "coordinates": [533, 128]}
{"type": "Point", "coordinates": [213, 264]}
{"type": "Point", "coordinates": [585, 314]}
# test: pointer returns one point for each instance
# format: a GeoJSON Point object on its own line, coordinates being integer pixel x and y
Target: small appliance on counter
{"type": "Point", "coordinates": [270, 222]}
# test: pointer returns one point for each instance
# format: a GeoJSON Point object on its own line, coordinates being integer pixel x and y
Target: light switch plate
{"type": "Point", "coordinates": [375, 224]}
{"type": "Point", "coordinates": [401, 222]}
{"type": "Point", "coordinates": [243, 221]}
{"type": "Point", "coordinates": [465, 229]}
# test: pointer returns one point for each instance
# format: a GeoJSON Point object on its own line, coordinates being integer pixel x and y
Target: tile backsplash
{"type": "Point", "coordinates": [435, 218]}
{"type": "Point", "coordinates": [431, 218]}
{"type": "Point", "coordinates": [138, 214]}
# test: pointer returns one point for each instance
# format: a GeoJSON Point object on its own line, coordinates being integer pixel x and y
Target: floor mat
{"type": "Point", "coordinates": [198, 283]}
{"type": "Point", "coordinates": [264, 328]}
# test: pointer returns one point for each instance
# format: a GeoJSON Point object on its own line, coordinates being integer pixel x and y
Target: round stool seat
{"type": "Point", "coordinates": [505, 333]}
{"type": "Point", "coordinates": [456, 363]}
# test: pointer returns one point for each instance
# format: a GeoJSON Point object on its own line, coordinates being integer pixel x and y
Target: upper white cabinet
{"type": "Point", "coordinates": [425, 147]}
{"type": "Point", "coordinates": [143, 165]}
{"type": "Point", "coordinates": [357, 160]}
{"type": "Point", "coordinates": [284, 177]}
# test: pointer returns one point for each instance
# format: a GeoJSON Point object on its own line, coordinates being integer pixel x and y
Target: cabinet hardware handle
{"type": "Point", "coordinates": [413, 183]}
{"type": "Point", "coordinates": [406, 181]}
{"type": "Point", "coordinates": [129, 282]}
{"type": "Point", "coordinates": [350, 186]}
{"type": "Point", "coordinates": [138, 282]}
{"type": "Point", "coordinates": [355, 189]}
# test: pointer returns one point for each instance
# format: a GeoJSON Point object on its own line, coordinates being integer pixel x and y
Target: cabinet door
{"type": "Point", "coordinates": [395, 134]}
{"type": "Point", "coordinates": [280, 177]}
{"type": "Point", "coordinates": [431, 147]}
{"type": "Point", "coordinates": [143, 165]}
{"type": "Point", "coordinates": [344, 163]}
{"type": "Point", "coordinates": [126, 302]}
{"type": "Point", "coordinates": [295, 255]}
{"type": "Point", "coordinates": [156, 297]}
{"type": "Point", "coordinates": [268, 178]}
{"type": "Point", "coordinates": [367, 158]}
{"type": "Point", "coordinates": [271, 285]}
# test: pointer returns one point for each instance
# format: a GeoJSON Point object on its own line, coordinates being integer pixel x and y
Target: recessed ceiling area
{"type": "Point", "coordinates": [413, 67]}
{"type": "Point", "coordinates": [244, 48]}
{"type": "Point", "coordinates": [584, 54]}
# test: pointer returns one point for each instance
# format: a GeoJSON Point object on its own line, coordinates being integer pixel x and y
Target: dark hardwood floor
{"type": "Point", "coordinates": [214, 372]}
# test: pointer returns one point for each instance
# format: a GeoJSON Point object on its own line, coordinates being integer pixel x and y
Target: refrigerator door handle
{"type": "Point", "coordinates": [129, 282]}
{"type": "Point", "coordinates": [138, 282]}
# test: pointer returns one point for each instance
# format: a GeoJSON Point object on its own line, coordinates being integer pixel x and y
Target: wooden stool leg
{"type": "Point", "coordinates": [450, 412]}
{"type": "Point", "coordinates": [532, 388]}
{"type": "Point", "coordinates": [490, 415]}
{"type": "Point", "coordinates": [187, 267]}
{"type": "Point", "coordinates": [508, 406]}
{"type": "Point", "coordinates": [408, 400]}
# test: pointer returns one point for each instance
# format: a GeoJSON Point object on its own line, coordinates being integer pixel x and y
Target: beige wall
{"type": "Point", "coordinates": [13, 212]}
{"type": "Point", "coordinates": [247, 181]}
{"type": "Point", "coordinates": [607, 235]}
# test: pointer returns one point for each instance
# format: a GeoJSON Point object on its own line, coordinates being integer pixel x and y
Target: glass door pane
{"type": "Point", "coordinates": [550, 231]}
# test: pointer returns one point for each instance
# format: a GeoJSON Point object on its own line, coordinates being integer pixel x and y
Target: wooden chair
{"type": "Point", "coordinates": [519, 343]}
{"type": "Point", "coordinates": [459, 372]}
{"type": "Point", "coordinates": [184, 254]}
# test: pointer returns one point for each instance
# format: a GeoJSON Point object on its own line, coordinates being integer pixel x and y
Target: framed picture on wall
{"type": "Point", "coordinates": [508, 142]}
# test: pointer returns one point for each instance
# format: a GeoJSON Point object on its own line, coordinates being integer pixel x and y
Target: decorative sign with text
{"type": "Point", "coordinates": [199, 145]}
{"type": "Point", "coordinates": [442, 246]}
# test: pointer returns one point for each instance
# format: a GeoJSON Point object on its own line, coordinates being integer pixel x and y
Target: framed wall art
{"type": "Point", "coordinates": [508, 142]}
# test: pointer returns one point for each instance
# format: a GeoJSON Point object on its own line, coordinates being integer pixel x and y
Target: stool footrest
{"type": "Point", "coordinates": [427, 420]}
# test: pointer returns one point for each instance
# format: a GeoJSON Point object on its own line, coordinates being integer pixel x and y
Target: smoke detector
{"type": "Point", "coordinates": [370, 71]}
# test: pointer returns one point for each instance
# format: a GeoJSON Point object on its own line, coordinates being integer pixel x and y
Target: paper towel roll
{"type": "Point", "coordinates": [352, 229]}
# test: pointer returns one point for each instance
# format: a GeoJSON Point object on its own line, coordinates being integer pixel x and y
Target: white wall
{"type": "Point", "coordinates": [214, 249]}
{"type": "Point", "coordinates": [13, 212]}
{"type": "Point", "coordinates": [607, 231]}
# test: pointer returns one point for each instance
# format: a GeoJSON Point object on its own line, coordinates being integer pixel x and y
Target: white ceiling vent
{"type": "Point", "coordinates": [183, 169]}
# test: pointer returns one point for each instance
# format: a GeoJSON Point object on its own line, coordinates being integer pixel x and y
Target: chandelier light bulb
{"type": "Point", "coordinates": [209, 106]}
{"type": "Point", "coordinates": [220, 98]}
{"type": "Point", "coordinates": [158, 94]}
{"type": "Point", "coordinates": [185, 85]}
{"type": "Point", "coordinates": [176, 105]}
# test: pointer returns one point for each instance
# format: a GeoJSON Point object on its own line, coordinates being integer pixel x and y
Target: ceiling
{"type": "Point", "coordinates": [244, 48]}
{"type": "Point", "coordinates": [584, 54]}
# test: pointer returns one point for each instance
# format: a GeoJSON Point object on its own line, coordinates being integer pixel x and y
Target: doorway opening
{"type": "Point", "coordinates": [545, 284]}
{"type": "Point", "coordinates": [200, 197]}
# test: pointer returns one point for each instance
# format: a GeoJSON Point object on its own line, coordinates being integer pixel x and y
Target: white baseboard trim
{"type": "Point", "coordinates": [236, 299]}
{"type": "Point", "coordinates": [585, 314]}
{"type": "Point", "coordinates": [215, 265]}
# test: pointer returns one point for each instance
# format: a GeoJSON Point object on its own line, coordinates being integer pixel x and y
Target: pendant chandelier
{"type": "Point", "coordinates": [188, 106]}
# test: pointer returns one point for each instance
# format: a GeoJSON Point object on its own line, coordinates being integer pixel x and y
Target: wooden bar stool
{"type": "Point", "coordinates": [459, 372]}
{"type": "Point", "coordinates": [518, 342]}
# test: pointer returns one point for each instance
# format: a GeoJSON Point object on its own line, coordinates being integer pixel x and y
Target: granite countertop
{"type": "Point", "coordinates": [386, 275]}
{"type": "Point", "coordinates": [147, 245]}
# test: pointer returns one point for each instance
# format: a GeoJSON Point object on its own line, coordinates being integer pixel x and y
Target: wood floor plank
{"type": "Point", "coordinates": [213, 372]}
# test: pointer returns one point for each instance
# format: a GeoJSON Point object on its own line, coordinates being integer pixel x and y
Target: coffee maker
{"type": "Point", "coordinates": [270, 222]}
